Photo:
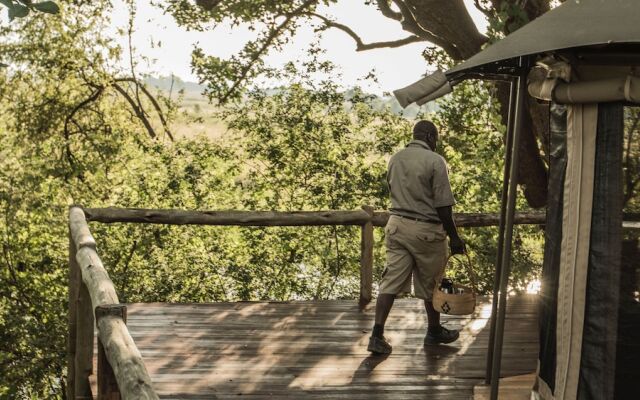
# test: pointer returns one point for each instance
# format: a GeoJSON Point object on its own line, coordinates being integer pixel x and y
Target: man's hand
{"type": "Point", "coordinates": [457, 245]}
{"type": "Point", "coordinates": [446, 217]}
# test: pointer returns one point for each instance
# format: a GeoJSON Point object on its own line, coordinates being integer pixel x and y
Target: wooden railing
{"type": "Point", "coordinates": [366, 218]}
{"type": "Point", "coordinates": [283, 218]}
{"type": "Point", "coordinates": [92, 296]}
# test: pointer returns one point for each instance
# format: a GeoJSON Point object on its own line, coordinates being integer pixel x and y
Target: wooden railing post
{"type": "Point", "coordinates": [366, 259]}
{"type": "Point", "coordinates": [84, 344]}
{"type": "Point", "coordinates": [80, 355]}
{"type": "Point", "coordinates": [74, 283]}
{"type": "Point", "coordinates": [120, 350]}
{"type": "Point", "coordinates": [107, 384]}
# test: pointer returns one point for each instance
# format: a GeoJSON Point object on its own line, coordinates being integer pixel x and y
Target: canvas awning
{"type": "Point", "coordinates": [610, 25]}
{"type": "Point", "coordinates": [576, 23]}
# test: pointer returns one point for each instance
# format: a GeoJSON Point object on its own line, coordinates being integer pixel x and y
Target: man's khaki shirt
{"type": "Point", "coordinates": [419, 182]}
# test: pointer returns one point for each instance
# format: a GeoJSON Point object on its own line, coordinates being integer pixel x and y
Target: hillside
{"type": "Point", "coordinates": [193, 98]}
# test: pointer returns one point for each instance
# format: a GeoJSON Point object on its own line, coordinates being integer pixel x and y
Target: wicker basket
{"type": "Point", "coordinates": [456, 304]}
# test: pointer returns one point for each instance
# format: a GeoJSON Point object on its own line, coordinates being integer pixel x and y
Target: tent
{"type": "Point", "coordinates": [583, 57]}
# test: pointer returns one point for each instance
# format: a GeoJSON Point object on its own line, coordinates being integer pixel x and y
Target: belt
{"type": "Point", "coordinates": [428, 221]}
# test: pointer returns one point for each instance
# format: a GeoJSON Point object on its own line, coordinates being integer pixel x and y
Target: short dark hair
{"type": "Point", "coordinates": [425, 130]}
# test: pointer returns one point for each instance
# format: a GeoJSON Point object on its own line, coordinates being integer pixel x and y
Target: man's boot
{"type": "Point", "coordinates": [379, 345]}
{"type": "Point", "coordinates": [440, 335]}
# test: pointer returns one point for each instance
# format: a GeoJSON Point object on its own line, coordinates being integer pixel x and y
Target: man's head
{"type": "Point", "coordinates": [427, 132]}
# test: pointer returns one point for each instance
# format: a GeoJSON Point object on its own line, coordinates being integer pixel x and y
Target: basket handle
{"type": "Point", "coordinates": [472, 275]}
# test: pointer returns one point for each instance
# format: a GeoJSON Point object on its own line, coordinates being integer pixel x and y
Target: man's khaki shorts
{"type": "Point", "coordinates": [417, 249]}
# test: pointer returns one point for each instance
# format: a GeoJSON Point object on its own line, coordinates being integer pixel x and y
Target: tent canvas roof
{"type": "Point", "coordinates": [576, 23]}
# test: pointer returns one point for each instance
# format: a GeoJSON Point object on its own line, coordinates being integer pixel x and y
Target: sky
{"type": "Point", "coordinates": [395, 68]}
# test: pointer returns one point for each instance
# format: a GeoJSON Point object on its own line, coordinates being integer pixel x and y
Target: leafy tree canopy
{"type": "Point", "coordinates": [445, 24]}
{"type": "Point", "coordinates": [22, 8]}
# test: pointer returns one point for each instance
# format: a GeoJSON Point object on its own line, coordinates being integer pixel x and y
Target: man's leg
{"type": "Point", "coordinates": [377, 343]}
{"type": "Point", "coordinates": [396, 278]}
{"type": "Point", "coordinates": [383, 307]}
{"type": "Point", "coordinates": [430, 255]}
{"type": "Point", "coordinates": [436, 333]}
{"type": "Point", "coordinates": [433, 317]}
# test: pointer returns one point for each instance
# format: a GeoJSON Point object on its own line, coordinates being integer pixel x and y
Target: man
{"type": "Point", "coordinates": [421, 218]}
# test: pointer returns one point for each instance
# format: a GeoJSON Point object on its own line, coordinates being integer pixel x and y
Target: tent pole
{"type": "Point", "coordinates": [503, 211]}
{"type": "Point", "coordinates": [506, 251]}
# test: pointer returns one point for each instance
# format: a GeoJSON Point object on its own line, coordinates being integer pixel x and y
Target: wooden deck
{"type": "Point", "coordinates": [317, 350]}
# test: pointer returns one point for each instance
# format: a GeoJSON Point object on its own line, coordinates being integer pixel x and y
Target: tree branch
{"type": "Point", "coordinates": [360, 45]}
{"type": "Point", "coordinates": [265, 46]}
{"type": "Point", "coordinates": [487, 12]}
{"type": "Point", "coordinates": [139, 113]}
{"type": "Point", "coordinates": [137, 108]}
{"type": "Point", "coordinates": [125, 271]}
{"type": "Point", "coordinates": [69, 119]}
{"type": "Point", "coordinates": [410, 24]}
{"type": "Point", "coordinates": [93, 97]}
{"type": "Point", "coordinates": [408, 21]}
{"type": "Point", "coordinates": [153, 101]}
{"type": "Point", "coordinates": [385, 8]}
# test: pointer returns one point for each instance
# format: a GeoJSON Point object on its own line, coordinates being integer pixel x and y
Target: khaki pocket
{"type": "Point", "coordinates": [432, 236]}
{"type": "Point", "coordinates": [427, 237]}
{"type": "Point", "coordinates": [389, 233]}
{"type": "Point", "coordinates": [390, 229]}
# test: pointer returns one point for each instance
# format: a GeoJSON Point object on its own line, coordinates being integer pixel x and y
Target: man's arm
{"type": "Point", "coordinates": [446, 217]}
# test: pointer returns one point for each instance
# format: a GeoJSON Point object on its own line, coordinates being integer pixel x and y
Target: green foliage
{"type": "Point", "coordinates": [44, 167]}
{"type": "Point", "coordinates": [311, 148]}
{"type": "Point", "coordinates": [631, 167]}
{"type": "Point", "coordinates": [21, 8]}
{"type": "Point", "coordinates": [69, 137]}
{"type": "Point", "coordinates": [471, 135]}
{"type": "Point", "coordinates": [472, 144]}
{"type": "Point", "coordinates": [508, 18]}
{"type": "Point", "coordinates": [274, 21]}
{"type": "Point", "coordinates": [631, 159]}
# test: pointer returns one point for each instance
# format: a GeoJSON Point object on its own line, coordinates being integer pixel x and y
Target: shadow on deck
{"type": "Point", "coordinates": [316, 350]}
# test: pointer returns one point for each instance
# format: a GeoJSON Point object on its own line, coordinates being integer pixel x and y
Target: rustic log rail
{"type": "Point", "coordinates": [92, 297]}
{"type": "Point", "coordinates": [366, 218]}
{"type": "Point", "coordinates": [283, 218]}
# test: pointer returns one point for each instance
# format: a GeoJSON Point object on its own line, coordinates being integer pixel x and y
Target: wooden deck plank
{"type": "Point", "coordinates": [317, 350]}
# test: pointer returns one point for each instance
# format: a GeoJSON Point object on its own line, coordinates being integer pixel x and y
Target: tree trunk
{"type": "Point", "coordinates": [450, 21]}
{"type": "Point", "coordinates": [532, 172]}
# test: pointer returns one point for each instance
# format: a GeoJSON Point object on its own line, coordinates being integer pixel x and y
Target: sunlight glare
{"type": "Point", "coordinates": [533, 287]}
